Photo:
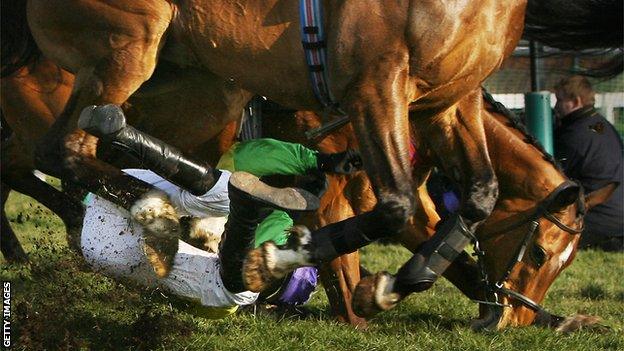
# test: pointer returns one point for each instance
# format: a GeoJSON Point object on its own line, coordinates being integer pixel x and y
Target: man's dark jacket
{"type": "Point", "coordinates": [590, 151]}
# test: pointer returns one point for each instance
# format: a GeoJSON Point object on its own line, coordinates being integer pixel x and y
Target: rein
{"type": "Point", "coordinates": [542, 211]}
{"type": "Point", "coordinates": [497, 288]}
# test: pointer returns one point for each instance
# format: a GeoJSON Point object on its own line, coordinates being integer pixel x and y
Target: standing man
{"type": "Point", "coordinates": [590, 150]}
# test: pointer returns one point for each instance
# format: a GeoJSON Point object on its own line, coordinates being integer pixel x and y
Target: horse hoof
{"type": "Point", "coordinates": [156, 214]}
{"type": "Point", "coordinates": [257, 269]}
{"type": "Point", "coordinates": [374, 294]}
{"type": "Point", "coordinates": [268, 262]}
{"type": "Point", "coordinates": [160, 254]}
{"type": "Point", "coordinates": [205, 232]}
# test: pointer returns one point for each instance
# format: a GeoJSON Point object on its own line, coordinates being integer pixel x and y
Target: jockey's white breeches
{"type": "Point", "coordinates": [113, 245]}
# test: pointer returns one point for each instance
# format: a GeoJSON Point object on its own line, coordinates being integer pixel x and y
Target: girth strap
{"type": "Point", "coordinates": [314, 46]}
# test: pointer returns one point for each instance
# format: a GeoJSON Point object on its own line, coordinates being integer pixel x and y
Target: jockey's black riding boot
{"type": "Point", "coordinates": [251, 201]}
{"type": "Point", "coordinates": [433, 257]}
{"type": "Point", "coordinates": [108, 123]}
{"type": "Point", "coordinates": [238, 238]}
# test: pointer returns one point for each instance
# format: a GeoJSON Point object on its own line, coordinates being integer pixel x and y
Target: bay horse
{"type": "Point", "coordinates": [534, 196]}
{"type": "Point", "coordinates": [347, 195]}
{"type": "Point", "coordinates": [113, 47]}
{"type": "Point", "coordinates": [529, 178]}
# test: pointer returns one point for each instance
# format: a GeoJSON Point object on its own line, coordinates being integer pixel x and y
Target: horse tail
{"type": "Point", "coordinates": [575, 24]}
{"type": "Point", "coordinates": [18, 45]}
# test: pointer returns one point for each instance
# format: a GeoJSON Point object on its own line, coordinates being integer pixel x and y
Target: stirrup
{"type": "Point", "coordinates": [286, 199]}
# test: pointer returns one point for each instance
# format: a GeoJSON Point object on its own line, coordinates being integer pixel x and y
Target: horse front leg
{"type": "Point", "coordinates": [377, 105]}
{"type": "Point", "coordinates": [460, 148]}
{"type": "Point", "coordinates": [341, 275]}
{"type": "Point", "coordinates": [457, 138]}
{"type": "Point", "coordinates": [463, 272]}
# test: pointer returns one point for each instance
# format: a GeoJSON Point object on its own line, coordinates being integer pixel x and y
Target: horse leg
{"type": "Point", "coordinates": [463, 154]}
{"type": "Point", "coordinates": [463, 271]}
{"type": "Point", "coordinates": [17, 172]}
{"type": "Point", "coordinates": [378, 109]}
{"type": "Point", "coordinates": [457, 139]}
{"type": "Point", "coordinates": [339, 278]}
{"type": "Point", "coordinates": [341, 275]}
{"type": "Point", "coordinates": [109, 66]}
{"type": "Point", "coordinates": [9, 245]}
{"type": "Point", "coordinates": [125, 59]}
{"type": "Point", "coordinates": [70, 211]}
{"type": "Point", "coordinates": [460, 147]}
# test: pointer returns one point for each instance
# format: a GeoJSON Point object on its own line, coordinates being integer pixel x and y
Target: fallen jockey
{"type": "Point", "coordinates": [117, 246]}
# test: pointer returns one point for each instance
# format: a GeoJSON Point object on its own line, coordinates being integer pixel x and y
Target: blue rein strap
{"type": "Point", "coordinates": [314, 47]}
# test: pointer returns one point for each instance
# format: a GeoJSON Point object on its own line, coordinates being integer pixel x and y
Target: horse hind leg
{"type": "Point", "coordinates": [339, 277]}
{"type": "Point", "coordinates": [9, 244]}
{"type": "Point", "coordinates": [128, 59]}
{"type": "Point", "coordinates": [109, 66]}
{"type": "Point", "coordinates": [17, 174]}
{"type": "Point", "coordinates": [69, 210]}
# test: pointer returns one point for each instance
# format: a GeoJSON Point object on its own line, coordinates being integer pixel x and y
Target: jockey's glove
{"type": "Point", "coordinates": [345, 162]}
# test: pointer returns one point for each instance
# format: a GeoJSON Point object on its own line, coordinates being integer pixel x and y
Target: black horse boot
{"type": "Point", "coordinates": [251, 200]}
{"type": "Point", "coordinates": [269, 262]}
{"type": "Point", "coordinates": [108, 123]}
{"type": "Point", "coordinates": [383, 291]}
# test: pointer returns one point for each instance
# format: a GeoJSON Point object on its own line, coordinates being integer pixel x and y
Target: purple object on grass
{"type": "Point", "coordinates": [300, 286]}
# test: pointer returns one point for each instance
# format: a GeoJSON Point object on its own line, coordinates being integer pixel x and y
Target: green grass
{"type": "Point", "coordinates": [59, 304]}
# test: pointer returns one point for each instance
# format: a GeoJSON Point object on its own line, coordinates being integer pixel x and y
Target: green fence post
{"type": "Point", "coordinates": [539, 118]}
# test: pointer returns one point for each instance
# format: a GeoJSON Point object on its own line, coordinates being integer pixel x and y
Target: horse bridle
{"type": "Point", "coordinates": [497, 288]}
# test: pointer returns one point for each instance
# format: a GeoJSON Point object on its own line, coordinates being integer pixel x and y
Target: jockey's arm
{"type": "Point", "coordinates": [264, 157]}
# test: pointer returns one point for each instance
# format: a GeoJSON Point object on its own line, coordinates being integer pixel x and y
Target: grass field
{"type": "Point", "coordinates": [58, 304]}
